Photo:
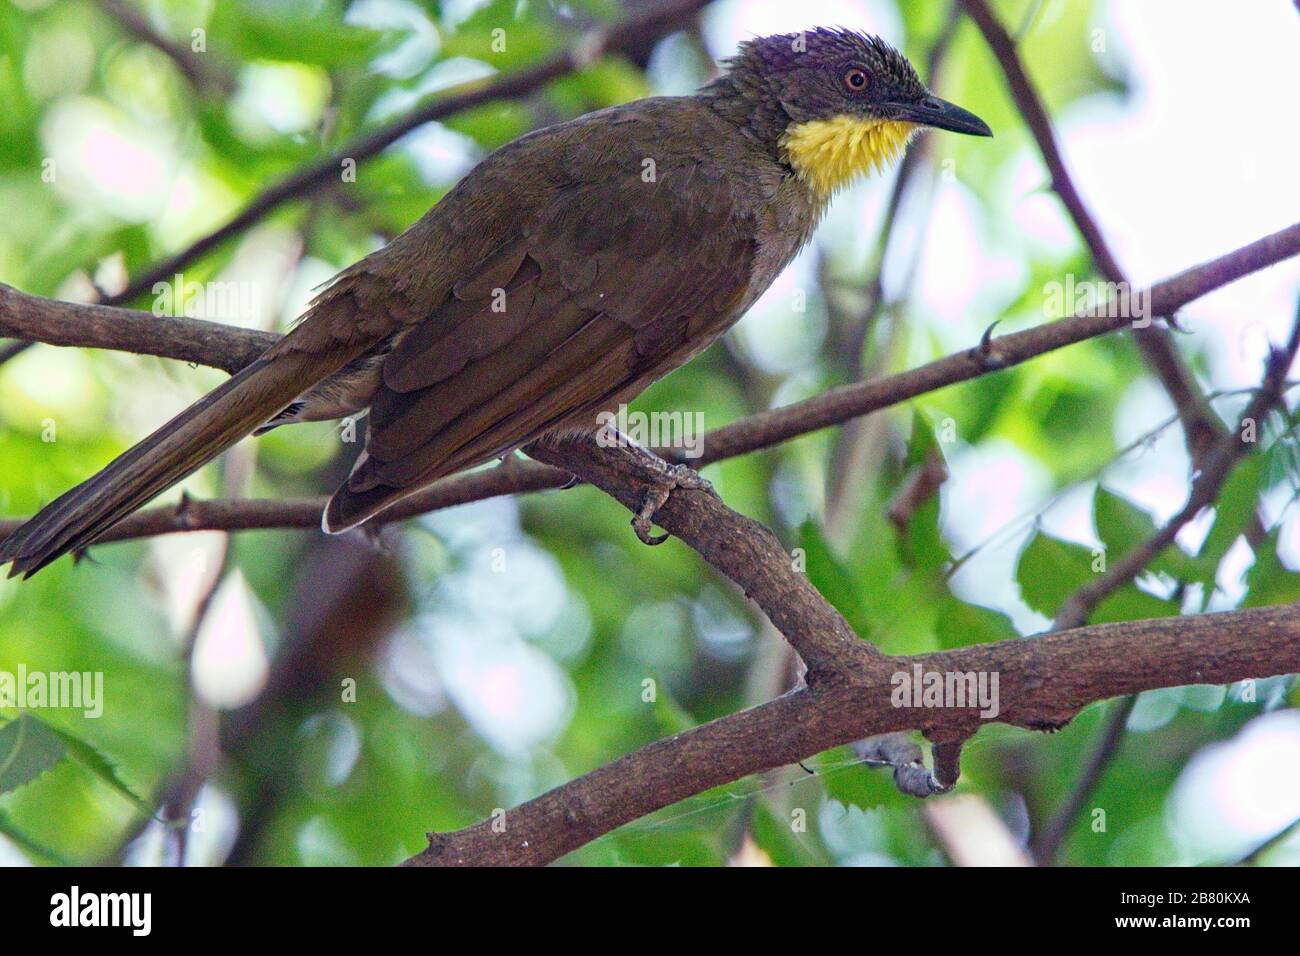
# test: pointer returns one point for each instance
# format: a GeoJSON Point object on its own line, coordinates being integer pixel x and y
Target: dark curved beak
{"type": "Point", "coordinates": [941, 114]}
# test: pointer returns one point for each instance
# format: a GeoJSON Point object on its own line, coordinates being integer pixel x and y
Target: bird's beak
{"type": "Point", "coordinates": [941, 114]}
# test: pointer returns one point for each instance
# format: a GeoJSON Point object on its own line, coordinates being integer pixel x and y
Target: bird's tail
{"type": "Point", "coordinates": [177, 449]}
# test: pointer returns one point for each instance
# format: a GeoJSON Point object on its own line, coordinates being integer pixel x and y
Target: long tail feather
{"type": "Point", "coordinates": [177, 449]}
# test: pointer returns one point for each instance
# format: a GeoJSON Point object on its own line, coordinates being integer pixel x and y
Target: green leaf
{"type": "Point", "coordinates": [293, 33]}
{"type": "Point", "coordinates": [856, 784]}
{"type": "Point", "coordinates": [959, 624]}
{"type": "Point", "coordinates": [89, 757]}
{"type": "Point", "coordinates": [922, 443]}
{"type": "Point", "coordinates": [925, 549]}
{"type": "Point", "coordinates": [1232, 511]}
{"type": "Point", "coordinates": [835, 582]}
{"type": "Point", "coordinates": [9, 829]}
{"type": "Point", "coordinates": [892, 608]}
{"type": "Point", "coordinates": [1123, 526]}
{"type": "Point", "coordinates": [1269, 581]}
{"type": "Point", "coordinates": [777, 839]}
{"type": "Point", "coordinates": [28, 748]}
{"type": "Point", "coordinates": [1282, 460]}
{"type": "Point", "coordinates": [607, 83]}
{"type": "Point", "coordinates": [1050, 570]}
{"type": "Point", "coordinates": [671, 716]}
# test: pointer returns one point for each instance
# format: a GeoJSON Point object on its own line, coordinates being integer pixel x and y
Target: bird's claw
{"type": "Point", "coordinates": [656, 495]}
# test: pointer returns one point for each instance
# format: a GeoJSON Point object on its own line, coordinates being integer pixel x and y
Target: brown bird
{"type": "Point", "coordinates": [564, 274]}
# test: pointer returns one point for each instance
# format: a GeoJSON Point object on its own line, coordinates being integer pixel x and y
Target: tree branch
{"type": "Point", "coordinates": [1218, 464]}
{"type": "Point", "coordinates": [849, 690]}
{"type": "Point", "coordinates": [34, 319]}
{"type": "Point", "coordinates": [744, 550]}
{"type": "Point", "coordinates": [1231, 448]}
{"type": "Point", "coordinates": [221, 346]}
{"type": "Point", "coordinates": [200, 73]}
{"type": "Point", "coordinates": [849, 401]}
{"type": "Point", "coordinates": [1200, 426]}
{"type": "Point", "coordinates": [1043, 682]}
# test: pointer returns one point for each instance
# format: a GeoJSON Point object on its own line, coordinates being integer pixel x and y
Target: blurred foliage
{"type": "Point", "coordinates": [486, 654]}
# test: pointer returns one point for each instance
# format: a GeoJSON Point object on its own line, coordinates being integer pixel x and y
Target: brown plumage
{"type": "Point", "coordinates": [578, 301]}
{"type": "Point", "coordinates": [568, 271]}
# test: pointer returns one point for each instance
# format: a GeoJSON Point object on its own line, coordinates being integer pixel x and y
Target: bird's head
{"type": "Point", "coordinates": [837, 103]}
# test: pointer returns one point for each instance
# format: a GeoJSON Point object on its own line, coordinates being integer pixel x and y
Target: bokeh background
{"type": "Point", "coordinates": [313, 701]}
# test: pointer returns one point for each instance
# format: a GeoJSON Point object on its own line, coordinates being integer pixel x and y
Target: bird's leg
{"type": "Point", "coordinates": [642, 465]}
{"type": "Point", "coordinates": [661, 477]}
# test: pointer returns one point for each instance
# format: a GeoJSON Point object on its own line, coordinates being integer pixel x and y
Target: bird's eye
{"type": "Point", "coordinates": [855, 80]}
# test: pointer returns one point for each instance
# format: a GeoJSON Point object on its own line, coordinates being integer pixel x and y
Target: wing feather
{"type": "Point", "coordinates": [608, 286]}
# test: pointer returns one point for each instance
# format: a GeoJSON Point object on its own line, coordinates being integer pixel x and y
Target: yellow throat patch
{"type": "Point", "coordinates": [827, 154]}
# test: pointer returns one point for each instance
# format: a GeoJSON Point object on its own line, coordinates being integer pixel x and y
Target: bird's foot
{"type": "Point", "coordinates": [655, 477]}
{"type": "Point", "coordinates": [665, 478]}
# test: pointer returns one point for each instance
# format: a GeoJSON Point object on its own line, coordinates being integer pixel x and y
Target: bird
{"type": "Point", "coordinates": [561, 276]}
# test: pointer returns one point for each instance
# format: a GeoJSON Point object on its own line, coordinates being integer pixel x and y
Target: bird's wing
{"type": "Point", "coordinates": [605, 287]}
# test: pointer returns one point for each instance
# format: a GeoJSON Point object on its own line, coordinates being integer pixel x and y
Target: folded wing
{"type": "Point", "coordinates": [602, 289]}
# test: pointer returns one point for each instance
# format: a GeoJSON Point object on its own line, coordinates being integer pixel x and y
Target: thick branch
{"type": "Point", "coordinates": [744, 550]}
{"type": "Point", "coordinates": [1035, 693]}
{"type": "Point", "coordinates": [1043, 682]}
{"type": "Point", "coordinates": [34, 319]}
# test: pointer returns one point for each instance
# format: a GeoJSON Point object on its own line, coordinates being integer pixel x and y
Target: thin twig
{"type": "Point", "coordinates": [1103, 752]}
{"type": "Point", "coordinates": [649, 21]}
{"type": "Point", "coordinates": [1199, 425]}
{"type": "Point", "coordinates": [1074, 612]}
{"type": "Point", "coordinates": [1218, 465]}
{"type": "Point", "coordinates": [201, 72]}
